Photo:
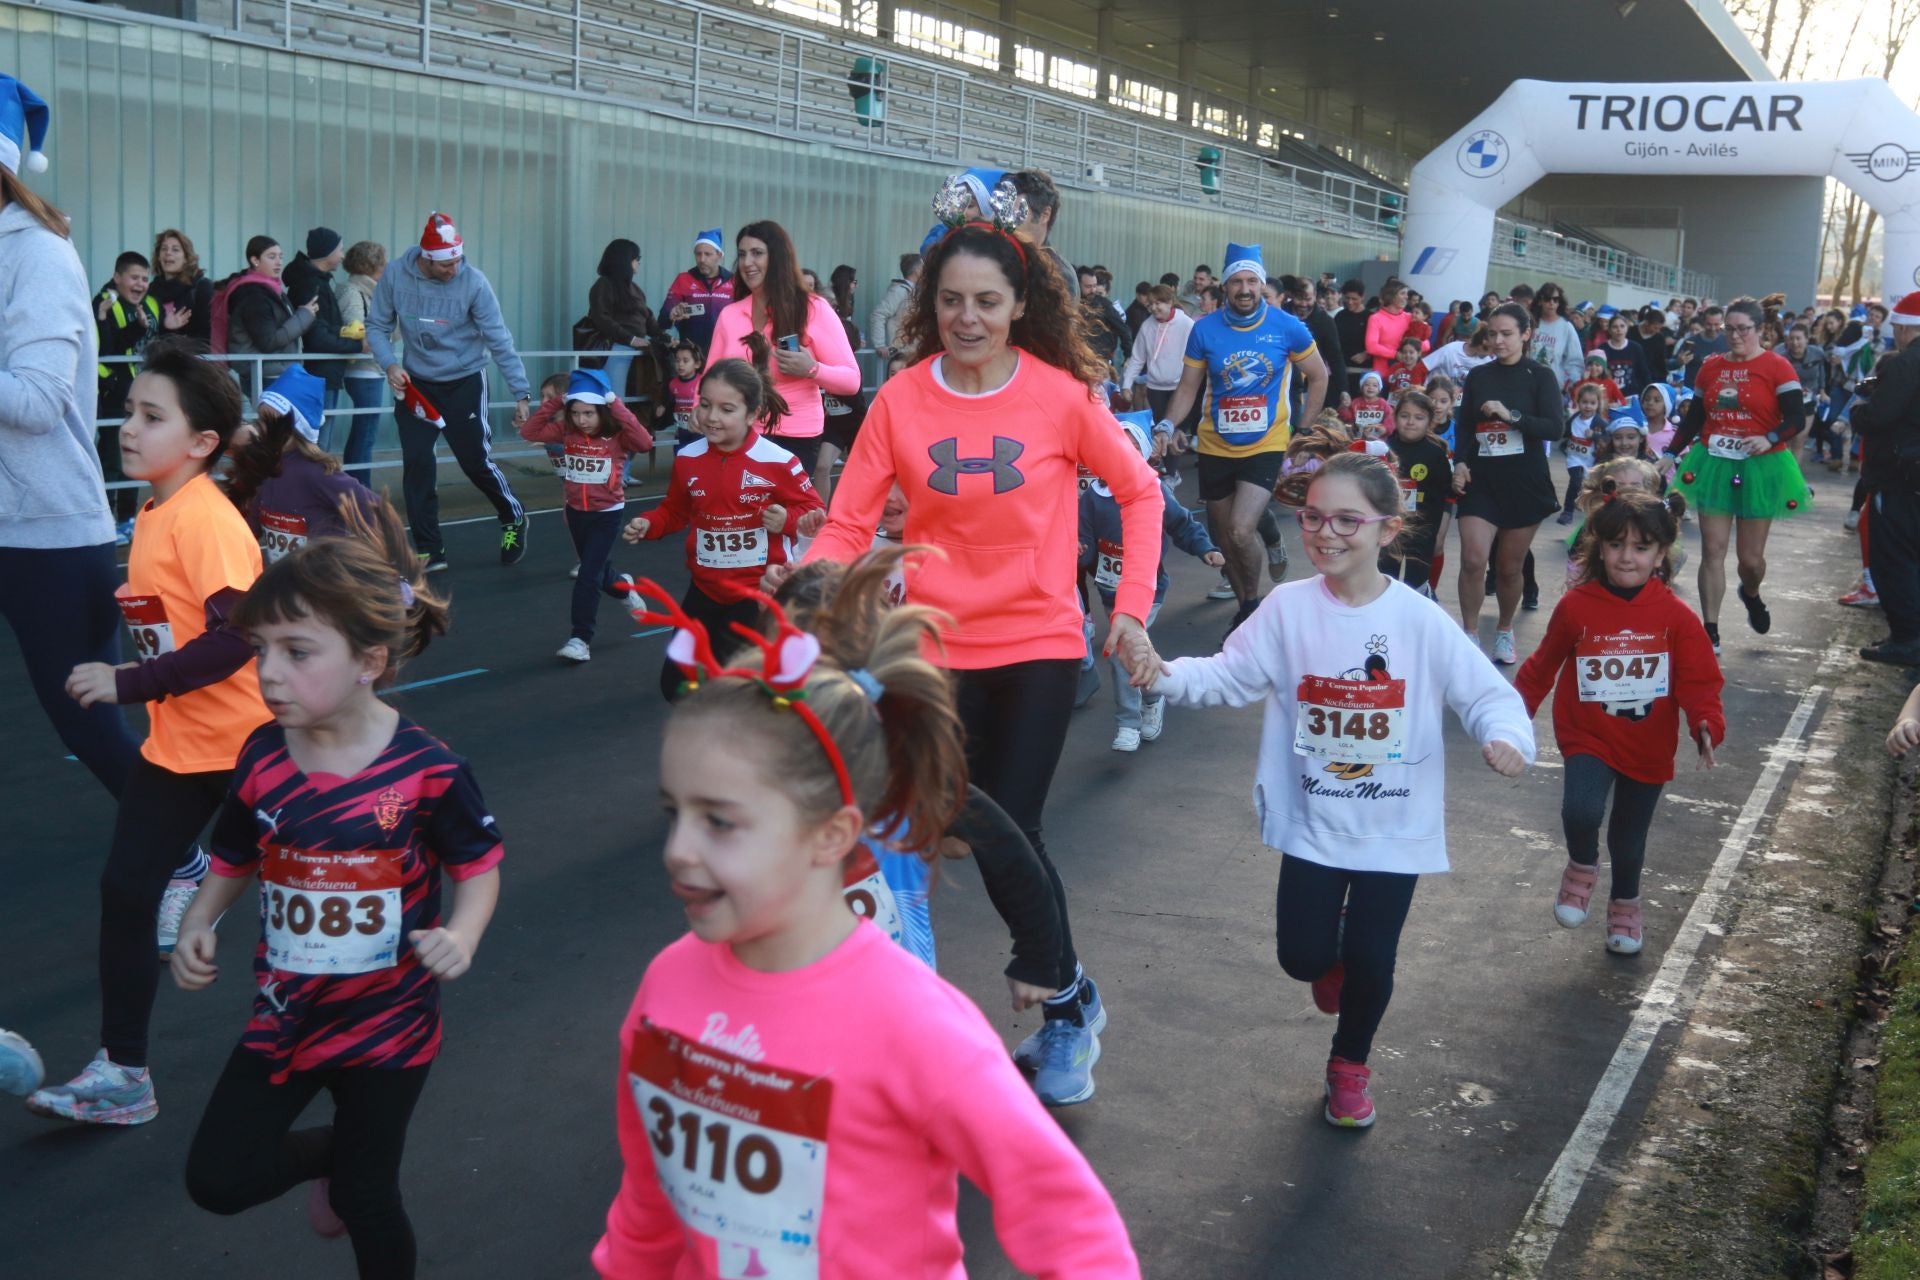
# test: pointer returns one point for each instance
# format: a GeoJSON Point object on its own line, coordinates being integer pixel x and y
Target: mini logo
{"type": "Point", "coordinates": [1916, 277]}
{"type": "Point", "coordinates": [1889, 162]}
{"type": "Point", "coordinates": [1433, 260]}
{"type": "Point", "coordinates": [1483, 154]}
{"type": "Point", "coordinates": [387, 808]}
{"type": "Point", "coordinates": [748, 480]}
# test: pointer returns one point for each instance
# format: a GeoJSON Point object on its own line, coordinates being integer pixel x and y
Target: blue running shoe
{"type": "Point", "coordinates": [20, 1069]}
{"type": "Point", "coordinates": [105, 1093]}
{"type": "Point", "coordinates": [1067, 1056]}
{"type": "Point", "coordinates": [1093, 1010]}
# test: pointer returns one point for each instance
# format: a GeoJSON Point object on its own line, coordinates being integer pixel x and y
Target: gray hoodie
{"type": "Point", "coordinates": [449, 327]}
{"type": "Point", "coordinates": [51, 492]}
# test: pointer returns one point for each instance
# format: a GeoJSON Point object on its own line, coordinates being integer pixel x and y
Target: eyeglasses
{"type": "Point", "coordinates": [1312, 521]}
{"type": "Point", "coordinates": [1740, 328]}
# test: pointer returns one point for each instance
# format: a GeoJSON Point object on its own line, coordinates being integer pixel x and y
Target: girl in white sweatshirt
{"type": "Point", "coordinates": [1357, 672]}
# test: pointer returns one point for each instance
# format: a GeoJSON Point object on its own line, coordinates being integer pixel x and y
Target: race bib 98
{"type": "Point", "coordinates": [1498, 441]}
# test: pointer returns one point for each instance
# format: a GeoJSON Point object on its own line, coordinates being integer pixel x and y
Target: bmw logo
{"type": "Point", "coordinates": [1483, 154]}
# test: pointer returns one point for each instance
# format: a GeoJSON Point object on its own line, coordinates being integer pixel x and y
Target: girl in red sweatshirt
{"type": "Point", "coordinates": [598, 433]}
{"type": "Point", "coordinates": [1623, 657]}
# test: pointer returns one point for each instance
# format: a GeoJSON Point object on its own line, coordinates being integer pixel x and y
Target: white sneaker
{"type": "Point", "coordinates": [1852, 521]}
{"type": "Point", "coordinates": [104, 1093]}
{"type": "Point", "coordinates": [575, 571]}
{"type": "Point", "coordinates": [574, 650]}
{"type": "Point", "coordinates": [1126, 740]}
{"type": "Point", "coordinates": [1224, 591]}
{"type": "Point", "coordinates": [1153, 718]}
{"type": "Point", "coordinates": [21, 1071]}
{"type": "Point", "coordinates": [1503, 651]}
{"type": "Point", "coordinates": [173, 905]}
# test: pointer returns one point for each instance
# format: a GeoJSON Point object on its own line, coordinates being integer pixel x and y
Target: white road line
{"type": "Point", "coordinates": [1666, 999]}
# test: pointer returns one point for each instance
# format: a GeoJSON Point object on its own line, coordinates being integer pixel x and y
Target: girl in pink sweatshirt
{"type": "Point", "coordinates": [771, 1126]}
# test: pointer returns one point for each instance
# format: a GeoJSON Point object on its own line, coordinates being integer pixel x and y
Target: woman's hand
{"type": "Point", "coordinates": [92, 682]}
{"type": "Point", "coordinates": [636, 530]}
{"type": "Point", "coordinates": [1664, 465]}
{"type": "Point", "coordinates": [444, 953]}
{"type": "Point", "coordinates": [1705, 739]}
{"type": "Point", "coordinates": [810, 524]}
{"type": "Point", "coordinates": [192, 962]}
{"type": "Point", "coordinates": [795, 364]}
{"type": "Point", "coordinates": [311, 306]}
{"type": "Point", "coordinates": [1756, 445]}
{"type": "Point", "coordinates": [1462, 477]}
{"type": "Point", "coordinates": [176, 320]}
{"type": "Point", "coordinates": [1494, 409]}
{"type": "Point", "coordinates": [1904, 737]}
{"type": "Point", "coordinates": [1504, 758]}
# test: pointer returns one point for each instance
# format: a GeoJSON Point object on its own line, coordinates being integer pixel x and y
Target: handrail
{"type": "Point", "coordinates": [1519, 244]}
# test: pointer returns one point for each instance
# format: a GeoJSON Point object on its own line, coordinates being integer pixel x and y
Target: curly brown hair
{"type": "Point", "coordinates": [1049, 329]}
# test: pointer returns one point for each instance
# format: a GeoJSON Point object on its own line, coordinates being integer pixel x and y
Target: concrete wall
{"type": "Point", "coordinates": [157, 126]}
{"type": "Point", "coordinates": [1755, 235]}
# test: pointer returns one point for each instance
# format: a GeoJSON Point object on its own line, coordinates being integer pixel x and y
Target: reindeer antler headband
{"type": "Point", "coordinates": [787, 660]}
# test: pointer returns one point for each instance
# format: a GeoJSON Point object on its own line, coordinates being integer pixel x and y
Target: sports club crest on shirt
{"type": "Point", "coordinates": [388, 807]}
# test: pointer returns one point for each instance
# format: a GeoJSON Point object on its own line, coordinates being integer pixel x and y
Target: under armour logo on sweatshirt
{"type": "Point", "coordinates": [951, 466]}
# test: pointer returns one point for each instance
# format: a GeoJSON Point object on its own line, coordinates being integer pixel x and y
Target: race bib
{"type": "Point", "coordinates": [1351, 721]}
{"type": "Point", "coordinates": [730, 548]}
{"type": "Point", "coordinates": [1409, 498]}
{"type": "Point", "coordinates": [281, 533]}
{"type": "Point", "coordinates": [586, 468]}
{"type": "Point", "coordinates": [871, 898]}
{"type": "Point", "coordinates": [1107, 562]}
{"type": "Point", "coordinates": [1085, 478]}
{"type": "Point", "coordinates": [1733, 448]}
{"type": "Point", "coordinates": [835, 406]}
{"type": "Point", "coordinates": [1365, 418]}
{"type": "Point", "coordinates": [1621, 668]}
{"type": "Point", "coordinates": [1580, 456]}
{"type": "Point", "coordinates": [1241, 414]}
{"type": "Point", "coordinates": [1498, 442]}
{"type": "Point", "coordinates": [147, 618]}
{"type": "Point", "coordinates": [331, 913]}
{"type": "Point", "coordinates": [740, 1149]}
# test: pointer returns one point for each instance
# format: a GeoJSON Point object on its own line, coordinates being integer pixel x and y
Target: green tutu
{"type": "Point", "coordinates": [1769, 487]}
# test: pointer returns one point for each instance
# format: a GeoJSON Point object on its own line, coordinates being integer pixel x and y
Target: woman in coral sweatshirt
{"type": "Point", "coordinates": [983, 434]}
{"type": "Point", "coordinates": [1388, 325]}
{"type": "Point", "coordinates": [810, 349]}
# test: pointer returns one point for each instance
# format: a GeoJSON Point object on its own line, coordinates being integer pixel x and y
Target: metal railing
{"type": "Point", "coordinates": [1519, 244]}
{"type": "Point", "coordinates": [695, 61]}
{"type": "Point", "coordinates": [248, 369]}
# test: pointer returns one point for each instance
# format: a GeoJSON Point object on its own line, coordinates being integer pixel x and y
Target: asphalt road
{"type": "Point", "coordinates": [1206, 1125]}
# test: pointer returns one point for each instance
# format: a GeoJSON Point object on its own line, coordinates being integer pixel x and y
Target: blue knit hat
{"type": "Point", "coordinates": [23, 127]}
{"type": "Point", "coordinates": [298, 395]}
{"type": "Point", "coordinates": [1244, 257]}
{"type": "Point", "coordinates": [1666, 395]}
{"type": "Point", "coordinates": [1627, 415]}
{"type": "Point", "coordinates": [714, 237]}
{"type": "Point", "coordinates": [589, 386]}
{"type": "Point", "coordinates": [981, 183]}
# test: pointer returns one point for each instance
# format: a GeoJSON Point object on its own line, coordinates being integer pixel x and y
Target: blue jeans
{"type": "Point", "coordinates": [365, 394]}
{"type": "Point", "coordinates": [1126, 698]}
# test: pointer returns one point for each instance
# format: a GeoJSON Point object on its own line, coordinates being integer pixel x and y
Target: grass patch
{"type": "Point", "coordinates": [1886, 1245]}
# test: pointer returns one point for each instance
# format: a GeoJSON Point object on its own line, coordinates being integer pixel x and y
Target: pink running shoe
{"type": "Point", "coordinates": [1349, 1105]}
{"type": "Point", "coordinates": [1326, 988]}
{"type": "Point", "coordinates": [1623, 926]}
{"type": "Point", "coordinates": [320, 1215]}
{"type": "Point", "coordinates": [1861, 597]}
{"type": "Point", "coordinates": [1576, 891]}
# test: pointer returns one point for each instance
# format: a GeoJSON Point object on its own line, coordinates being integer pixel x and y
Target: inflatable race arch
{"type": "Point", "coordinates": [1853, 130]}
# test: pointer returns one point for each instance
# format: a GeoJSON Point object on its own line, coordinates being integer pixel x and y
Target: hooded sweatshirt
{"type": "Point", "coordinates": [450, 327]}
{"type": "Point", "coordinates": [51, 492]}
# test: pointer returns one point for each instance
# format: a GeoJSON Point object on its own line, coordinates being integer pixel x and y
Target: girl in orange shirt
{"type": "Point", "coordinates": [193, 560]}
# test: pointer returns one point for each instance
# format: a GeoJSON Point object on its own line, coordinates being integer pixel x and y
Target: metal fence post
{"type": "Point", "coordinates": [699, 42]}
{"type": "Point", "coordinates": [576, 46]}
{"type": "Point", "coordinates": [426, 30]}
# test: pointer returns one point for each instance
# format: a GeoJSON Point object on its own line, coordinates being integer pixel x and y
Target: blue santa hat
{"type": "Point", "coordinates": [1607, 312]}
{"type": "Point", "coordinates": [1666, 396]}
{"type": "Point", "coordinates": [23, 127]}
{"type": "Point", "coordinates": [1244, 257]}
{"type": "Point", "coordinates": [1138, 424]}
{"type": "Point", "coordinates": [713, 237]}
{"type": "Point", "coordinates": [1859, 311]}
{"type": "Point", "coordinates": [589, 386]}
{"type": "Point", "coordinates": [300, 397]}
{"type": "Point", "coordinates": [1627, 415]}
{"type": "Point", "coordinates": [981, 183]}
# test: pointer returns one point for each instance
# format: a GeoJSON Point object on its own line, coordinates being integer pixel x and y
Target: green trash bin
{"type": "Point", "coordinates": [867, 84]}
{"type": "Point", "coordinates": [1208, 162]}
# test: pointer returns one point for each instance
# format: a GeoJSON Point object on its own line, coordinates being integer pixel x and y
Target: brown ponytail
{"type": "Point", "coordinates": [368, 586]}
{"type": "Point", "coordinates": [904, 751]}
{"type": "Point", "coordinates": [260, 458]}
{"type": "Point", "coordinates": [14, 191]}
{"type": "Point", "coordinates": [753, 379]}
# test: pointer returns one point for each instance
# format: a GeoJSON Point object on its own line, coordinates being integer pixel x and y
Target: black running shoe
{"type": "Point", "coordinates": [1894, 653]}
{"type": "Point", "coordinates": [1713, 634]}
{"type": "Point", "coordinates": [1240, 615]}
{"type": "Point", "coordinates": [1530, 601]}
{"type": "Point", "coordinates": [433, 562]}
{"type": "Point", "coordinates": [1757, 616]}
{"type": "Point", "coordinates": [513, 541]}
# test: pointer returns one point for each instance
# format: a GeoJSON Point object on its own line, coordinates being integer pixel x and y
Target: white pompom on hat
{"type": "Point", "coordinates": [23, 127]}
{"type": "Point", "coordinates": [441, 241]}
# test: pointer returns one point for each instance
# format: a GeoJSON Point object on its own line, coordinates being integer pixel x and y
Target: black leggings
{"type": "Point", "coordinates": [1413, 563]}
{"type": "Point", "coordinates": [1585, 802]}
{"type": "Point", "coordinates": [60, 606]}
{"type": "Point", "coordinates": [1015, 719]}
{"type": "Point", "coordinates": [1576, 476]}
{"type": "Point", "coordinates": [1307, 911]}
{"type": "Point", "coordinates": [161, 813]}
{"type": "Point", "coordinates": [246, 1151]}
{"type": "Point", "coordinates": [715, 616]}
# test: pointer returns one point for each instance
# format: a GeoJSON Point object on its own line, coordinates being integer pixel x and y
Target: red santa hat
{"type": "Point", "coordinates": [421, 407]}
{"type": "Point", "coordinates": [1907, 310]}
{"type": "Point", "coordinates": [441, 242]}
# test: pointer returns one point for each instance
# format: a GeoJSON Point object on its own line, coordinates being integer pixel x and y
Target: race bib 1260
{"type": "Point", "coordinates": [740, 1148]}
{"type": "Point", "coordinates": [1239, 414]}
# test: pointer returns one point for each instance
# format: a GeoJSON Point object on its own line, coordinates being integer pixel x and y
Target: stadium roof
{"type": "Point", "coordinates": [1399, 74]}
